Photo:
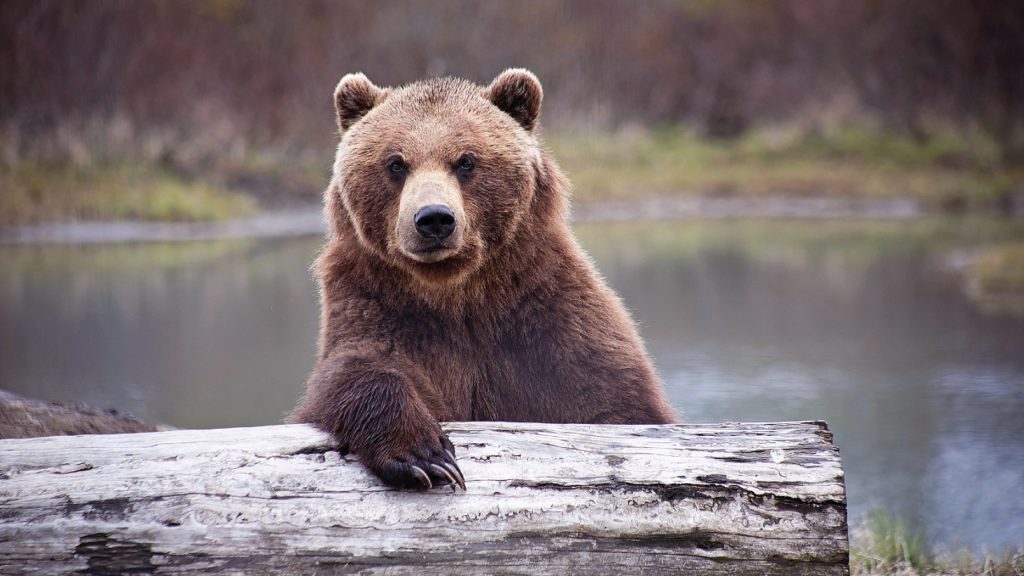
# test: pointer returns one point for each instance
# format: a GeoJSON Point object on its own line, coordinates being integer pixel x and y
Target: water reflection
{"type": "Point", "coordinates": [193, 335]}
{"type": "Point", "coordinates": [859, 324]}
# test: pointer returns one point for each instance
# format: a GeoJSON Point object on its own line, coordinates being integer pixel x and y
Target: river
{"type": "Point", "coordinates": [862, 324]}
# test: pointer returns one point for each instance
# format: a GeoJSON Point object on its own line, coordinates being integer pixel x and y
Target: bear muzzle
{"type": "Point", "coordinates": [435, 222]}
{"type": "Point", "coordinates": [431, 219]}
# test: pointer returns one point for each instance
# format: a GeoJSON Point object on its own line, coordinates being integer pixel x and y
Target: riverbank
{"type": "Point", "coordinates": [769, 172]}
{"type": "Point", "coordinates": [22, 417]}
{"type": "Point", "coordinates": [951, 173]}
{"type": "Point", "coordinates": [308, 220]}
{"type": "Point", "coordinates": [991, 274]}
{"type": "Point", "coordinates": [881, 545]}
{"type": "Point", "coordinates": [301, 221]}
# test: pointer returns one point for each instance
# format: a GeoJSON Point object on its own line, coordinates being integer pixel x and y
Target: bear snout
{"type": "Point", "coordinates": [435, 221]}
{"type": "Point", "coordinates": [431, 218]}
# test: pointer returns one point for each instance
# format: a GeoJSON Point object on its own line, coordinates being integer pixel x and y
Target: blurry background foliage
{"type": "Point", "coordinates": [237, 93]}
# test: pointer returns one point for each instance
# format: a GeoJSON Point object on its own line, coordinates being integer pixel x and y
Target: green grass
{"type": "Point", "coordinates": [884, 545]}
{"type": "Point", "coordinates": [36, 193]}
{"type": "Point", "coordinates": [890, 543]}
{"type": "Point", "coordinates": [946, 173]}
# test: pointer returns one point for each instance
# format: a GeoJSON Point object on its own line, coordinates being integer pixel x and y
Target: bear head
{"type": "Point", "coordinates": [437, 176]}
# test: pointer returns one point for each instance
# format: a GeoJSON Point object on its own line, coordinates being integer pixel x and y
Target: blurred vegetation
{"type": "Point", "coordinates": [995, 278]}
{"type": "Point", "coordinates": [33, 193]}
{"type": "Point", "coordinates": [889, 542]}
{"type": "Point", "coordinates": [1000, 269]}
{"type": "Point", "coordinates": [946, 173]}
{"type": "Point", "coordinates": [803, 242]}
{"type": "Point", "coordinates": [878, 97]}
{"type": "Point", "coordinates": [884, 545]}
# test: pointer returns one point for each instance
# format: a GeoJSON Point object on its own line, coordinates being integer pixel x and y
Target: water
{"type": "Point", "coordinates": [861, 324]}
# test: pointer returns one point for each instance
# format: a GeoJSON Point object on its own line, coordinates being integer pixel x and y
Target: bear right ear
{"type": "Point", "coordinates": [354, 97]}
{"type": "Point", "coordinates": [517, 92]}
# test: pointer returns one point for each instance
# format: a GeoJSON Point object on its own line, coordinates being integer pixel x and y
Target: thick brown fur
{"type": "Point", "coordinates": [512, 322]}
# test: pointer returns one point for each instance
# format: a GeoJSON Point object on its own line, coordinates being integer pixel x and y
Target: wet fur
{"type": "Point", "coordinates": [518, 326]}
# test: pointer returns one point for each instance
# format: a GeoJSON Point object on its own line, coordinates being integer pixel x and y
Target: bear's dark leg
{"type": "Point", "coordinates": [374, 411]}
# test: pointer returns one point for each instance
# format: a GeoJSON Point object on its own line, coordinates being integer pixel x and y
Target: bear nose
{"type": "Point", "coordinates": [435, 221]}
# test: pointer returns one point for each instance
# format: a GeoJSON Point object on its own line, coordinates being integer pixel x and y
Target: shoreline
{"type": "Point", "coordinates": [308, 220]}
{"type": "Point", "coordinates": [280, 224]}
{"type": "Point", "coordinates": [24, 417]}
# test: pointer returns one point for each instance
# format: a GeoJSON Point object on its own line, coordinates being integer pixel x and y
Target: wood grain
{"type": "Point", "coordinates": [764, 498]}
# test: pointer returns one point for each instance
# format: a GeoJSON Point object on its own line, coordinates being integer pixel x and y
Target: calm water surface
{"type": "Point", "coordinates": [860, 324]}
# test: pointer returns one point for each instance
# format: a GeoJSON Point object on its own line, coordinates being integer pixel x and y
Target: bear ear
{"type": "Point", "coordinates": [354, 97]}
{"type": "Point", "coordinates": [517, 92]}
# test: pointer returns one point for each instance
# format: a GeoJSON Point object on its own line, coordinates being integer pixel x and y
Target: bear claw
{"type": "Point", "coordinates": [455, 472]}
{"type": "Point", "coordinates": [422, 476]}
{"type": "Point", "coordinates": [424, 468]}
{"type": "Point", "coordinates": [443, 472]}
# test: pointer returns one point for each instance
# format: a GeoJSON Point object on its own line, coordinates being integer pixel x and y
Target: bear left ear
{"type": "Point", "coordinates": [517, 92]}
{"type": "Point", "coordinates": [354, 97]}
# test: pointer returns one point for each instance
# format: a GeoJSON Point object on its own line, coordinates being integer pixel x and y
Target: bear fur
{"type": "Point", "coordinates": [484, 309]}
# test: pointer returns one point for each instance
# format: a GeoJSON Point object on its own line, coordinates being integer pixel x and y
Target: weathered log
{"type": "Point", "coordinates": [22, 417]}
{"type": "Point", "coordinates": [541, 499]}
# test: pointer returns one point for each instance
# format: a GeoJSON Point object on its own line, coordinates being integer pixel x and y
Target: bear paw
{"type": "Point", "coordinates": [423, 466]}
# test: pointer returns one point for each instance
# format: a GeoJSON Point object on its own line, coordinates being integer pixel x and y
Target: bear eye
{"type": "Point", "coordinates": [396, 166]}
{"type": "Point", "coordinates": [466, 164]}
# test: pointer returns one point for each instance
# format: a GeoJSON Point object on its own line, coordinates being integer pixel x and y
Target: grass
{"type": "Point", "coordinates": [886, 546]}
{"type": "Point", "coordinates": [995, 278]}
{"type": "Point", "coordinates": [36, 193]}
{"type": "Point", "coordinates": [1000, 269]}
{"type": "Point", "coordinates": [945, 173]}
{"type": "Point", "coordinates": [889, 543]}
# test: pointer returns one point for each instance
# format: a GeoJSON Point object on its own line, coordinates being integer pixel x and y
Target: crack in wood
{"type": "Point", "coordinates": [107, 556]}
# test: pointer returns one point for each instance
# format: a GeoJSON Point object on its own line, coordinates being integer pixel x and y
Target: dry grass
{"type": "Point", "coordinates": [1000, 269]}
{"type": "Point", "coordinates": [885, 546]}
{"type": "Point", "coordinates": [995, 278]}
{"type": "Point", "coordinates": [945, 173]}
{"type": "Point", "coordinates": [33, 193]}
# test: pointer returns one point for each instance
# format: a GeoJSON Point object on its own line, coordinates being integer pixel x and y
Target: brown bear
{"type": "Point", "coordinates": [451, 285]}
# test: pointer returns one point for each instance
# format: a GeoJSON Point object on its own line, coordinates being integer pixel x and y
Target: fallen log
{"type": "Point", "coordinates": [22, 417]}
{"type": "Point", "coordinates": [541, 499]}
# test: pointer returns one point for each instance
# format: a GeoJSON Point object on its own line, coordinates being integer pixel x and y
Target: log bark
{"type": "Point", "coordinates": [541, 499]}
